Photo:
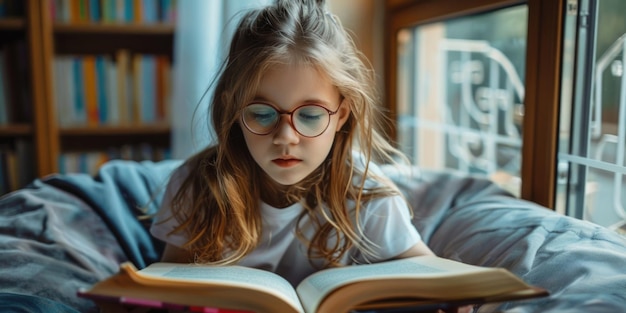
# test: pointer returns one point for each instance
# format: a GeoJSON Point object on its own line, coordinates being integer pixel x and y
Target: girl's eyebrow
{"type": "Point", "coordinates": [310, 100]}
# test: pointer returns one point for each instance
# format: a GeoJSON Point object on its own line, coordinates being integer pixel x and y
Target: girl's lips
{"type": "Point", "coordinates": [286, 162]}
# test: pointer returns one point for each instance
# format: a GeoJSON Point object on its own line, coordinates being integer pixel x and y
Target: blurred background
{"type": "Point", "coordinates": [86, 81]}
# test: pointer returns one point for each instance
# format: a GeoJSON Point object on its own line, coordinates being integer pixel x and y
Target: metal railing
{"type": "Point", "coordinates": [613, 59]}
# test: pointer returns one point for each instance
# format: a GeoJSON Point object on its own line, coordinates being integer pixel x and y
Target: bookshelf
{"type": "Point", "coordinates": [19, 94]}
{"type": "Point", "coordinates": [82, 35]}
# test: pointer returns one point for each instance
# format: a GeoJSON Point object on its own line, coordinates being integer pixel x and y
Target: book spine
{"type": "Point", "coordinates": [150, 11]}
{"type": "Point", "coordinates": [91, 95]}
{"type": "Point", "coordinates": [95, 15]}
{"type": "Point", "coordinates": [137, 11]}
{"type": "Point", "coordinates": [113, 108]}
{"type": "Point", "coordinates": [83, 10]}
{"type": "Point", "coordinates": [102, 89]}
{"type": "Point", "coordinates": [65, 11]}
{"type": "Point", "coordinates": [64, 91]}
{"type": "Point", "coordinates": [4, 99]}
{"type": "Point", "coordinates": [167, 11]}
{"type": "Point", "coordinates": [148, 89]}
{"type": "Point", "coordinates": [69, 91]}
{"type": "Point", "coordinates": [120, 11]}
{"type": "Point", "coordinates": [108, 11]}
{"type": "Point", "coordinates": [129, 10]}
{"type": "Point", "coordinates": [160, 88]}
{"type": "Point", "coordinates": [79, 91]}
{"type": "Point", "coordinates": [57, 86]}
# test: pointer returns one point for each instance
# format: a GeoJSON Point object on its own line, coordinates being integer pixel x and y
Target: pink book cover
{"type": "Point", "coordinates": [147, 303]}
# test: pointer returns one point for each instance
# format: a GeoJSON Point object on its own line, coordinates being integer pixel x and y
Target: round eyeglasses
{"type": "Point", "coordinates": [309, 120]}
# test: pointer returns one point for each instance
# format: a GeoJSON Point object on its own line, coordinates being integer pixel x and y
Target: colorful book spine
{"type": "Point", "coordinates": [126, 89]}
{"type": "Point", "coordinates": [113, 108]}
{"type": "Point", "coordinates": [91, 86]}
{"type": "Point", "coordinates": [104, 11]}
{"type": "Point", "coordinates": [79, 91]}
{"type": "Point", "coordinates": [122, 64]}
{"type": "Point", "coordinates": [59, 86]}
{"type": "Point", "coordinates": [102, 89]}
{"type": "Point", "coordinates": [95, 14]}
{"type": "Point", "coordinates": [82, 10]}
{"type": "Point", "coordinates": [138, 96]}
{"type": "Point", "coordinates": [160, 86]}
{"type": "Point", "coordinates": [148, 89]}
{"type": "Point", "coordinates": [150, 11]}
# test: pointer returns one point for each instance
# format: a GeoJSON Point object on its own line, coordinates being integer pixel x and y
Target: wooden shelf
{"type": "Point", "coordinates": [12, 24]}
{"type": "Point", "coordinates": [131, 130]}
{"type": "Point", "coordinates": [16, 130]}
{"type": "Point", "coordinates": [159, 29]}
{"type": "Point", "coordinates": [12, 29]}
{"type": "Point", "coordinates": [91, 38]}
{"type": "Point", "coordinates": [101, 137]}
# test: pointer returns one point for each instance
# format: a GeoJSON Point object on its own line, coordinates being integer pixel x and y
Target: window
{"type": "Point", "coordinates": [533, 113]}
{"type": "Point", "coordinates": [560, 138]}
{"type": "Point", "coordinates": [460, 93]}
{"type": "Point", "coordinates": [592, 137]}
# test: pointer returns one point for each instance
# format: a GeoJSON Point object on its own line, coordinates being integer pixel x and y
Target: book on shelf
{"type": "Point", "coordinates": [418, 282]}
{"type": "Point", "coordinates": [129, 89]}
{"type": "Point", "coordinates": [89, 162]}
{"type": "Point", "coordinates": [113, 11]}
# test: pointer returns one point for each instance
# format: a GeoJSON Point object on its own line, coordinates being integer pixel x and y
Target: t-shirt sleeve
{"type": "Point", "coordinates": [164, 222]}
{"type": "Point", "coordinates": [387, 224]}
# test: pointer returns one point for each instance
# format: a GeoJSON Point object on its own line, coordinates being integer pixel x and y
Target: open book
{"type": "Point", "coordinates": [411, 282]}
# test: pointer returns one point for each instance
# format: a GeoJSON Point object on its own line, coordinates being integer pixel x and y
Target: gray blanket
{"type": "Point", "coordinates": [470, 219]}
{"type": "Point", "coordinates": [66, 232]}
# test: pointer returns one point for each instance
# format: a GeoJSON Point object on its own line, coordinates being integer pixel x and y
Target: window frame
{"type": "Point", "coordinates": [542, 78]}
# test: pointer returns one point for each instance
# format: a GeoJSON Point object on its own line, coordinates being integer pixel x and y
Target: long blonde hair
{"type": "Point", "coordinates": [218, 203]}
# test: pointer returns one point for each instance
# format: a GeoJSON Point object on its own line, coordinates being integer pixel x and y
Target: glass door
{"type": "Point", "coordinates": [592, 136]}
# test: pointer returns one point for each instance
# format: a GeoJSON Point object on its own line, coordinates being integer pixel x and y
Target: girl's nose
{"type": "Point", "coordinates": [285, 134]}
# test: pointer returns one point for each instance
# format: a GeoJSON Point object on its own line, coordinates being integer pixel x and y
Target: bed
{"type": "Point", "coordinates": [66, 232]}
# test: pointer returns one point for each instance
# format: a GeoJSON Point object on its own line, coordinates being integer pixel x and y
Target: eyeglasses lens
{"type": "Point", "coordinates": [308, 120]}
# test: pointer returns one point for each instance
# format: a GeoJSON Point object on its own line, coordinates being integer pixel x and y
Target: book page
{"type": "Point", "coordinates": [225, 275]}
{"type": "Point", "coordinates": [347, 274]}
{"type": "Point", "coordinates": [431, 272]}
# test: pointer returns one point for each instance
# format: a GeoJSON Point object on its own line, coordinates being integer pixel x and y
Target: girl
{"type": "Point", "coordinates": [291, 185]}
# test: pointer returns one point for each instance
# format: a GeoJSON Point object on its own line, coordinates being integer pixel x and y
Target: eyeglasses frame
{"type": "Point", "coordinates": [290, 113]}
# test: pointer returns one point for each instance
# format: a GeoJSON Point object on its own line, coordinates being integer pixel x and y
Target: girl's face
{"type": "Point", "coordinates": [285, 155]}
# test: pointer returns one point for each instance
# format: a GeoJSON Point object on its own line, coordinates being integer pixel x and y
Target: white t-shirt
{"type": "Point", "coordinates": [385, 222]}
